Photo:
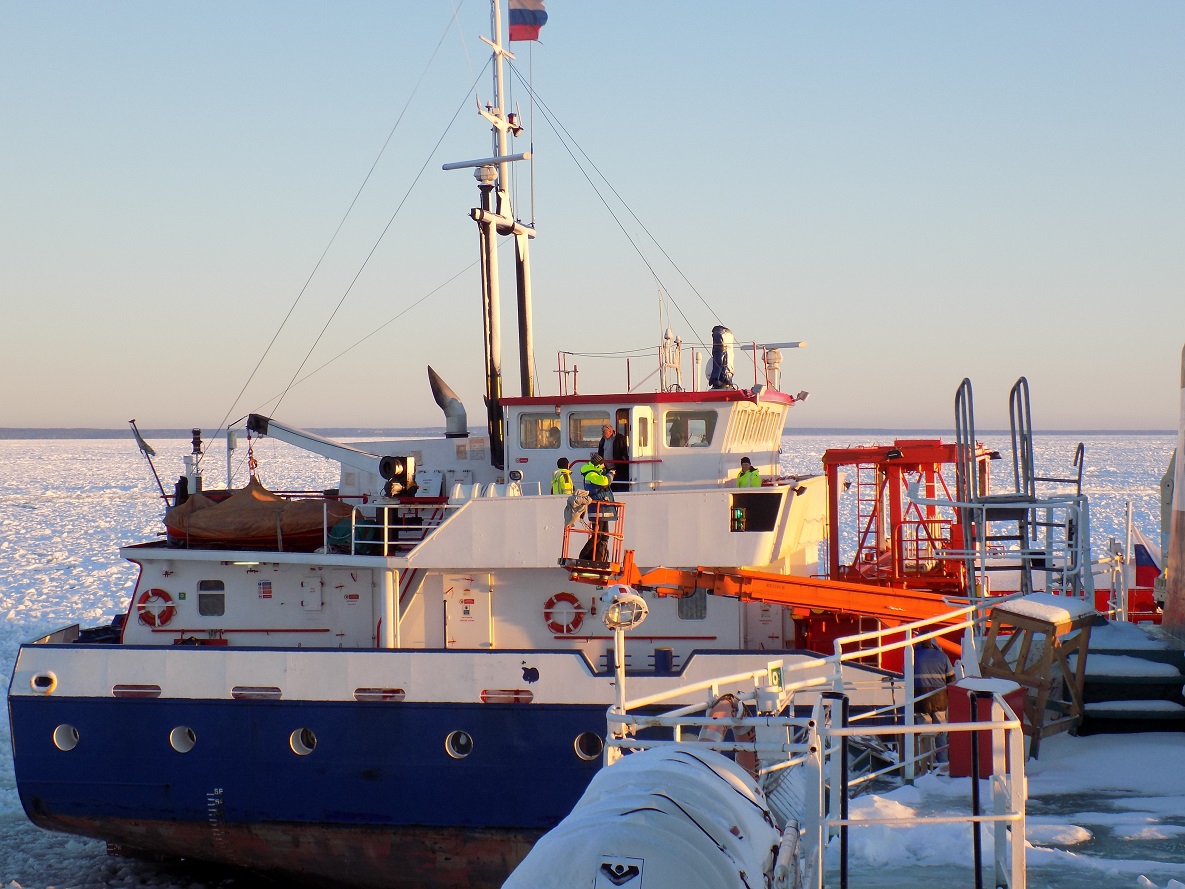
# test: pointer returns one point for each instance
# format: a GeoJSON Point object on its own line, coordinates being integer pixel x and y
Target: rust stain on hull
{"type": "Point", "coordinates": [364, 857]}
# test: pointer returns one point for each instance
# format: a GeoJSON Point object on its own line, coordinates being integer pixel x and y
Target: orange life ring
{"type": "Point", "coordinates": [562, 624]}
{"type": "Point", "coordinates": [155, 608]}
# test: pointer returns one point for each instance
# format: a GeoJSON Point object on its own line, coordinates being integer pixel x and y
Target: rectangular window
{"type": "Point", "coordinates": [211, 598]}
{"type": "Point", "coordinates": [695, 606]}
{"type": "Point", "coordinates": [584, 428]}
{"type": "Point", "coordinates": [538, 431]}
{"type": "Point", "coordinates": [690, 429]}
{"type": "Point", "coordinates": [643, 432]}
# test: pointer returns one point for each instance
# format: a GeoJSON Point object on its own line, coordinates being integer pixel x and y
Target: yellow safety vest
{"type": "Point", "coordinates": [749, 478]}
{"type": "Point", "coordinates": [594, 476]}
{"type": "Point", "coordinates": [561, 482]}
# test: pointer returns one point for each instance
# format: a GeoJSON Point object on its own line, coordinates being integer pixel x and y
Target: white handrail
{"type": "Point", "coordinates": [813, 743]}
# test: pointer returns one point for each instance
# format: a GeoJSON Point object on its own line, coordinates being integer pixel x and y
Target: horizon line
{"type": "Point", "coordinates": [18, 433]}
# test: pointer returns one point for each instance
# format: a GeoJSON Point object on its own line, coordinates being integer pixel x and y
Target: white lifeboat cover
{"type": "Point", "coordinates": [678, 816]}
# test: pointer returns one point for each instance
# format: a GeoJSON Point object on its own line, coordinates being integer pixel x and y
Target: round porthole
{"type": "Point", "coordinates": [589, 746]}
{"type": "Point", "coordinates": [302, 741]}
{"type": "Point", "coordinates": [44, 683]}
{"type": "Point", "coordinates": [182, 739]}
{"type": "Point", "coordinates": [65, 737]}
{"type": "Point", "coordinates": [458, 744]}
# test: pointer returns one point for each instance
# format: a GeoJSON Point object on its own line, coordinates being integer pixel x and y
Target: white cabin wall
{"type": "Point", "coordinates": [687, 528]}
{"type": "Point", "coordinates": [422, 623]}
{"type": "Point", "coordinates": [461, 460]}
{"type": "Point", "coordinates": [804, 530]}
{"type": "Point", "coordinates": [521, 596]}
{"type": "Point", "coordinates": [308, 606]}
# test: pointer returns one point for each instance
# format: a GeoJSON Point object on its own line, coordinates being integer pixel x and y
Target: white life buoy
{"type": "Point", "coordinates": [155, 608]}
{"type": "Point", "coordinates": [563, 614]}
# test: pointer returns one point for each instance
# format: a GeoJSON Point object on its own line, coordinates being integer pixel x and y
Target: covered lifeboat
{"type": "Point", "coordinates": [253, 517]}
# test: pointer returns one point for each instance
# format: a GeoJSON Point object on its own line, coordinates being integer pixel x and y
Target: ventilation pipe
{"type": "Point", "coordinates": [456, 423]}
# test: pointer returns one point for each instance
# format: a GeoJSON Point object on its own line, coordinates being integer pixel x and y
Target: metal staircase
{"type": "Point", "coordinates": [1024, 530]}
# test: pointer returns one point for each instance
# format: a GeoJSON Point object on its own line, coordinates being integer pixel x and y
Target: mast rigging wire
{"type": "Point", "coordinates": [346, 215]}
{"type": "Point", "coordinates": [557, 127]}
{"type": "Point", "coordinates": [378, 241]}
{"type": "Point", "coordinates": [376, 330]}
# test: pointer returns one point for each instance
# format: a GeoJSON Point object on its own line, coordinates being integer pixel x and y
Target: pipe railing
{"type": "Point", "coordinates": [390, 540]}
{"type": "Point", "coordinates": [818, 743]}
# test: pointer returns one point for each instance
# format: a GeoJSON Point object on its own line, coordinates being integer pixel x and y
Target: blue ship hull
{"type": "Point", "coordinates": [378, 796]}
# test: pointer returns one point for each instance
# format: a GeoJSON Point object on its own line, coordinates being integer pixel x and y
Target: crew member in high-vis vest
{"type": "Point", "coordinates": [749, 477]}
{"type": "Point", "coordinates": [561, 481]}
{"type": "Point", "coordinates": [597, 482]}
{"type": "Point", "coordinates": [597, 478]}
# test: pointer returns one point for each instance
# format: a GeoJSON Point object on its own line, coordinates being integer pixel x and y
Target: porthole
{"type": "Point", "coordinates": [182, 739]}
{"type": "Point", "coordinates": [458, 744]}
{"type": "Point", "coordinates": [44, 683]}
{"type": "Point", "coordinates": [589, 746]}
{"type": "Point", "coordinates": [65, 737]}
{"type": "Point", "coordinates": [302, 741]}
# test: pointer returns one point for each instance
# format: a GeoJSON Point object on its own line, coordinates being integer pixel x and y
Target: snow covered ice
{"type": "Point", "coordinates": [1105, 810]}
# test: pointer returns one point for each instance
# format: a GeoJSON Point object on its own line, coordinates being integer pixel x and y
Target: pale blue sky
{"type": "Point", "coordinates": [922, 191]}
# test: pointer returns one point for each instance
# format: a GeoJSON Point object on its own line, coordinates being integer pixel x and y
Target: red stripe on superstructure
{"type": "Point", "coordinates": [247, 630]}
{"type": "Point", "coordinates": [714, 396]}
{"type": "Point", "coordinates": [583, 637]}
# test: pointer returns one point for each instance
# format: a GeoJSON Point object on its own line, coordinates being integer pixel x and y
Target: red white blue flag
{"type": "Point", "coordinates": [526, 18]}
{"type": "Point", "coordinates": [1147, 559]}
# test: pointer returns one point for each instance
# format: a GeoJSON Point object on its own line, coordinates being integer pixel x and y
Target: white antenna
{"type": "Point", "coordinates": [670, 362]}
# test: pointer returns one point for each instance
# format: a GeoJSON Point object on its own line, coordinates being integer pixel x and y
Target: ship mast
{"type": "Point", "coordinates": [494, 217]}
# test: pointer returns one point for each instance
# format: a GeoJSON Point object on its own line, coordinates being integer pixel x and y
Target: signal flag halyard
{"type": "Point", "coordinates": [526, 18]}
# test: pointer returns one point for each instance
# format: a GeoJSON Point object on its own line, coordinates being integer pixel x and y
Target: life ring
{"type": "Point", "coordinates": [562, 624]}
{"type": "Point", "coordinates": [155, 608]}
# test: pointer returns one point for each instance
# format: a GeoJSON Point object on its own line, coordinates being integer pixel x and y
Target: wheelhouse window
{"type": "Point", "coordinates": [690, 429]}
{"type": "Point", "coordinates": [538, 431]}
{"type": "Point", "coordinates": [584, 428]}
{"type": "Point", "coordinates": [211, 598]}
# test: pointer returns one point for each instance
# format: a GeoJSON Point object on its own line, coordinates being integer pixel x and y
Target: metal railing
{"type": "Point", "coordinates": [1052, 541]}
{"type": "Point", "coordinates": [817, 749]}
{"type": "Point", "coordinates": [396, 529]}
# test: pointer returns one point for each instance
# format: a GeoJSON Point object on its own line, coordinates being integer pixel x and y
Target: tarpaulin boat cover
{"type": "Point", "coordinates": [254, 516]}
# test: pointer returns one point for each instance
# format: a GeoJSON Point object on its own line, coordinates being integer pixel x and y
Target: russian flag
{"type": "Point", "coordinates": [1147, 559]}
{"type": "Point", "coordinates": [526, 18]}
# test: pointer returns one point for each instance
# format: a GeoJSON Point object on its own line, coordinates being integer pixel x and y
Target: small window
{"type": "Point", "coordinates": [695, 606]}
{"type": "Point", "coordinates": [690, 429]}
{"type": "Point", "coordinates": [211, 598]}
{"type": "Point", "coordinates": [643, 432]}
{"type": "Point", "coordinates": [182, 739]}
{"type": "Point", "coordinates": [538, 431]}
{"type": "Point", "coordinates": [584, 428]}
{"type": "Point", "coordinates": [589, 746]}
{"type": "Point", "coordinates": [458, 744]}
{"type": "Point", "coordinates": [302, 741]}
